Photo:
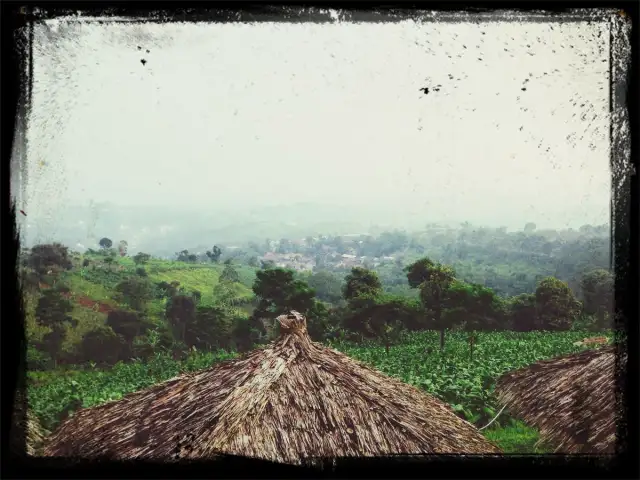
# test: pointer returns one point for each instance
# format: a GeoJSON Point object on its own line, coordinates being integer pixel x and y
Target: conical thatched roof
{"type": "Point", "coordinates": [571, 399]}
{"type": "Point", "coordinates": [293, 400]}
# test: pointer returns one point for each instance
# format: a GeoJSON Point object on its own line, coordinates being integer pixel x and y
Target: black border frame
{"type": "Point", "coordinates": [16, 95]}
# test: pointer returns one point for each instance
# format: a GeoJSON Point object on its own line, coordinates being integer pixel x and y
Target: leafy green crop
{"type": "Point", "coordinates": [467, 384]}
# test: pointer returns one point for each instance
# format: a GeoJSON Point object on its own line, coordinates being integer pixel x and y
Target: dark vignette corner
{"type": "Point", "coordinates": [624, 224]}
{"type": "Point", "coordinates": [15, 97]}
{"type": "Point", "coordinates": [16, 89]}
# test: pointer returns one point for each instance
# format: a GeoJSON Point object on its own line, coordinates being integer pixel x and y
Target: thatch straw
{"type": "Point", "coordinates": [27, 435]}
{"type": "Point", "coordinates": [290, 401]}
{"type": "Point", "coordinates": [570, 399]}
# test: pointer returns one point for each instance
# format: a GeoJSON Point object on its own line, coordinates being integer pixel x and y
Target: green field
{"type": "Point", "coordinates": [467, 384]}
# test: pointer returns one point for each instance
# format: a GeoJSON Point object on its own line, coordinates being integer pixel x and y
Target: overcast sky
{"type": "Point", "coordinates": [268, 113]}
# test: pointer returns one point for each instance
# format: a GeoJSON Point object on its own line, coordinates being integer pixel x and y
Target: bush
{"type": "Point", "coordinates": [141, 272]}
{"type": "Point", "coordinates": [36, 360]}
{"type": "Point", "coordinates": [586, 323]}
{"type": "Point", "coordinates": [102, 345]}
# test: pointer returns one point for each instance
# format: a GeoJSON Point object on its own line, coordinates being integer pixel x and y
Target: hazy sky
{"type": "Point", "coordinates": [268, 113]}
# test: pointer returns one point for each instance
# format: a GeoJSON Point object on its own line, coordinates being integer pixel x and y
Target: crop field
{"type": "Point", "coordinates": [466, 383]}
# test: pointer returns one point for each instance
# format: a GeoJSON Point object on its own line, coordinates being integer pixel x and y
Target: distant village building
{"type": "Point", "coordinates": [294, 261]}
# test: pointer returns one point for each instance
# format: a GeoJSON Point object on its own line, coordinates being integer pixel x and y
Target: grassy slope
{"type": "Point", "coordinates": [98, 286]}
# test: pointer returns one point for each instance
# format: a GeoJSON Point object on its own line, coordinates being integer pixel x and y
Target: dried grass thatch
{"type": "Point", "coordinates": [571, 399]}
{"type": "Point", "coordinates": [288, 402]}
{"type": "Point", "coordinates": [27, 435]}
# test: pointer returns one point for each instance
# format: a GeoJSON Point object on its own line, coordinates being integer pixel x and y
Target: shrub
{"type": "Point", "coordinates": [102, 345]}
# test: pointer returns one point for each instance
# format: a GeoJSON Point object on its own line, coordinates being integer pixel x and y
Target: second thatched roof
{"type": "Point", "coordinates": [291, 401]}
{"type": "Point", "coordinates": [571, 399]}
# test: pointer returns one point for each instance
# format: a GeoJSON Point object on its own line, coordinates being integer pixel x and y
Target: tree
{"type": "Point", "coordinates": [101, 345]}
{"type": "Point", "coordinates": [141, 272]}
{"type": "Point", "coordinates": [229, 274]}
{"type": "Point", "coordinates": [556, 305]}
{"type": "Point", "coordinates": [433, 279]}
{"type": "Point", "coordinates": [181, 314]}
{"type": "Point", "coordinates": [361, 282]}
{"type": "Point", "coordinates": [135, 292]}
{"type": "Point", "coordinates": [211, 328]}
{"type": "Point", "coordinates": [53, 310]}
{"type": "Point", "coordinates": [598, 294]}
{"type": "Point", "coordinates": [381, 316]}
{"type": "Point", "coordinates": [319, 321]}
{"type": "Point", "coordinates": [472, 306]}
{"type": "Point", "coordinates": [183, 256]}
{"type": "Point", "coordinates": [52, 342]}
{"type": "Point", "coordinates": [128, 324]}
{"type": "Point", "coordinates": [45, 258]}
{"type": "Point", "coordinates": [105, 243]}
{"type": "Point", "coordinates": [246, 333]}
{"type": "Point", "coordinates": [327, 285]}
{"type": "Point", "coordinates": [214, 254]}
{"type": "Point", "coordinates": [530, 227]}
{"type": "Point", "coordinates": [522, 313]}
{"type": "Point", "coordinates": [419, 272]}
{"type": "Point", "coordinates": [278, 292]}
{"type": "Point", "coordinates": [141, 258]}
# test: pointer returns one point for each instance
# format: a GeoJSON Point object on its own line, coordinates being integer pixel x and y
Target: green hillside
{"type": "Point", "coordinates": [92, 292]}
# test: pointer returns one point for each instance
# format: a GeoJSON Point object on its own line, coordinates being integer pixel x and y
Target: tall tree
{"type": "Point", "coordinates": [556, 305]}
{"type": "Point", "coordinates": [278, 292]}
{"type": "Point", "coordinates": [212, 328]}
{"type": "Point", "coordinates": [433, 280]}
{"type": "Point", "coordinates": [522, 313]}
{"type": "Point", "coordinates": [473, 306]}
{"type": "Point", "coordinates": [181, 314]}
{"type": "Point", "coordinates": [361, 282]}
{"type": "Point", "coordinates": [127, 324]}
{"type": "Point", "coordinates": [101, 345]}
{"type": "Point", "coordinates": [136, 292]}
{"type": "Point", "coordinates": [54, 311]}
{"type": "Point", "coordinates": [45, 258]}
{"type": "Point", "coordinates": [229, 274]}
{"type": "Point", "coordinates": [105, 243]}
{"type": "Point", "coordinates": [214, 254]}
{"type": "Point", "coordinates": [598, 294]}
{"type": "Point", "coordinates": [327, 285]}
{"type": "Point", "coordinates": [141, 258]}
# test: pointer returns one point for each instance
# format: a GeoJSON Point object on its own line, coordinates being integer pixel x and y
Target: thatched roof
{"type": "Point", "coordinates": [571, 399]}
{"type": "Point", "coordinates": [290, 401]}
{"type": "Point", "coordinates": [27, 435]}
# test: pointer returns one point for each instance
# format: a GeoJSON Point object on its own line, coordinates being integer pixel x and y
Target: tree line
{"type": "Point", "coordinates": [358, 309]}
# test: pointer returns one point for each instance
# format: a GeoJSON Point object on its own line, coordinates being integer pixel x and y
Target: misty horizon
{"type": "Point", "coordinates": [223, 120]}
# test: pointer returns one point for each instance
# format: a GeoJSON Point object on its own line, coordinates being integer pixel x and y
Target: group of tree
{"type": "Point", "coordinates": [445, 302]}
{"type": "Point", "coordinates": [356, 307]}
{"type": "Point", "coordinates": [185, 256]}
